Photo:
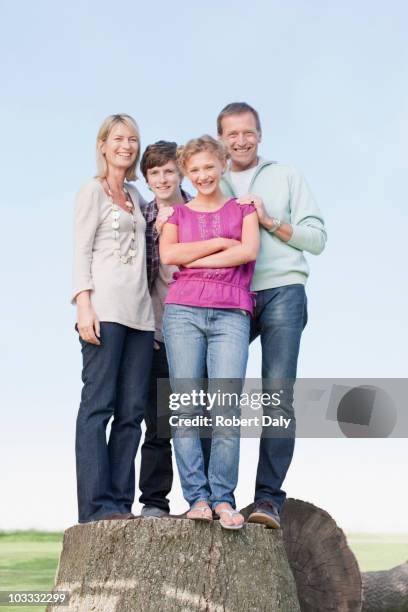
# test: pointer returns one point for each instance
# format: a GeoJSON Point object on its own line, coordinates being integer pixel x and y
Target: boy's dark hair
{"type": "Point", "coordinates": [158, 154]}
{"type": "Point", "coordinates": [237, 108]}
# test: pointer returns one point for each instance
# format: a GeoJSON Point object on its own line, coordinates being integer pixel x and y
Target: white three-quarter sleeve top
{"type": "Point", "coordinates": [118, 290]}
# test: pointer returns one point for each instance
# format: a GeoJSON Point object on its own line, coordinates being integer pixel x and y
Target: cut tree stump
{"type": "Point", "coordinates": [325, 569]}
{"type": "Point", "coordinates": [174, 565]}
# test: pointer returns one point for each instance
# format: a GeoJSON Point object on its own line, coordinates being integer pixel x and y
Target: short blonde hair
{"type": "Point", "coordinates": [103, 133]}
{"type": "Point", "coordinates": [198, 145]}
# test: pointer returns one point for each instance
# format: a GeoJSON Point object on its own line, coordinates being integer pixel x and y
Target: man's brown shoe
{"type": "Point", "coordinates": [266, 514]}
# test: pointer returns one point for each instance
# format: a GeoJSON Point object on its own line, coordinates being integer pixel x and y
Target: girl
{"type": "Point", "coordinates": [214, 241]}
{"type": "Point", "coordinates": [115, 323]}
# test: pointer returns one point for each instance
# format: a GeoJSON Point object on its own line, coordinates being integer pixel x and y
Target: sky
{"type": "Point", "coordinates": [329, 80]}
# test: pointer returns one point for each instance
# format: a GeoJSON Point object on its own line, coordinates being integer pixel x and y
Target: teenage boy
{"type": "Point", "coordinates": [160, 170]}
{"type": "Point", "coordinates": [290, 223]}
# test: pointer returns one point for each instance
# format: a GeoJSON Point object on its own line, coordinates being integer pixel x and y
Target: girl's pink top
{"type": "Point", "coordinates": [212, 287]}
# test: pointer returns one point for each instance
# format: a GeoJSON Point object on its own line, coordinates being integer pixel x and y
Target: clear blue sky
{"type": "Point", "coordinates": [330, 82]}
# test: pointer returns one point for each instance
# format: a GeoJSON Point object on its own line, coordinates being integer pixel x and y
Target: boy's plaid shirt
{"type": "Point", "coordinates": [152, 238]}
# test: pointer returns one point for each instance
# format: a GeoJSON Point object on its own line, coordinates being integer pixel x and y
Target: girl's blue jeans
{"type": "Point", "coordinates": [214, 340]}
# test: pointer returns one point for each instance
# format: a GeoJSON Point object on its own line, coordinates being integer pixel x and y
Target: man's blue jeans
{"type": "Point", "coordinates": [116, 381]}
{"type": "Point", "coordinates": [280, 317]}
{"type": "Point", "coordinates": [217, 339]}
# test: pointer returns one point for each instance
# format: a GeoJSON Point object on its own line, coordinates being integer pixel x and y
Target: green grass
{"type": "Point", "coordinates": [378, 551]}
{"type": "Point", "coordinates": [29, 559]}
{"type": "Point", "coordinates": [28, 562]}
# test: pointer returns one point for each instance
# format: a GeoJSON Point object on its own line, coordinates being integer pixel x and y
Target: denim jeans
{"type": "Point", "coordinates": [156, 470]}
{"type": "Point", "coordinates": [116, 377]}
{"type": "Point", "coordinates": [280, 317]}
{"type": "Point", "coordinates": [217, 339]}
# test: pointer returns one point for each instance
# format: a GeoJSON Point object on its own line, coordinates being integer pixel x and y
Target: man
{"type": "Point", "coordinates": [290, 223]}
{"type": "Point", "coordinates": [159, 168]}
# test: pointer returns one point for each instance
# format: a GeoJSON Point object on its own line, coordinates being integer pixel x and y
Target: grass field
{"type": "Point", "coordinates": [378, 551]}
{"type": "Point", "coordinates": [28, 560]}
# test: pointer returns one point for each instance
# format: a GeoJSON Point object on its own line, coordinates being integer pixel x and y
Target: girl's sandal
{"type": "Point", "coordinates": [200, 513]}
{"type": "Point", "coordinates": [230, 513]}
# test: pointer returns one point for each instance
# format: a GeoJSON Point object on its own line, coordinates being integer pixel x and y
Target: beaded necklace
{"type": "Point", "coordinates": [115, 215]}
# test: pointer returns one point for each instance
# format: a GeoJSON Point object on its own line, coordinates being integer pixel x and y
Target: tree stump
{"type": "Point", "coordinates": [387, 590]}
{"type": "Point", "coordinates": [325, 569]}
{"type": "Point", "coordinates": [174, 565]}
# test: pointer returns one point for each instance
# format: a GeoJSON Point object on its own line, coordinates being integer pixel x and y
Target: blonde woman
{"type": "Point", "coordinates": [206, 324]}
{"type": "Point", "coordinates": [115, 323]}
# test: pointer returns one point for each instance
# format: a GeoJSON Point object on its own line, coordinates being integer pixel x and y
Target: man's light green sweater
{"type": "Point", "coordinates": [287, 197]}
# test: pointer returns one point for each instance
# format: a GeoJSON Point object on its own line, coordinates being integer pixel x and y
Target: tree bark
{"type": "Point", "coordinates": [173, 565]}
{"type": "Point", "coordinates": [387, 590]}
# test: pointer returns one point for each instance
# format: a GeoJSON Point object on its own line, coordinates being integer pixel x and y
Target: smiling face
{"type": "Point", "coordinates": [120, 147]}
{"type": "Point", "coordinates": [204, 170]}
{"type": "Point", "coordinates": [164, 180]}
{"type": "Point", "coordinates": [241, 137]}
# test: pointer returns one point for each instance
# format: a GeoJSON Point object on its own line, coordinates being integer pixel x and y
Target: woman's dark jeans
{"type": "Point", "coordinates": [116, 382]}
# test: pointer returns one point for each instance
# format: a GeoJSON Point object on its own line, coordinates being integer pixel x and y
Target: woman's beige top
{"type": "Point", "coordinates": [118, 291]}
